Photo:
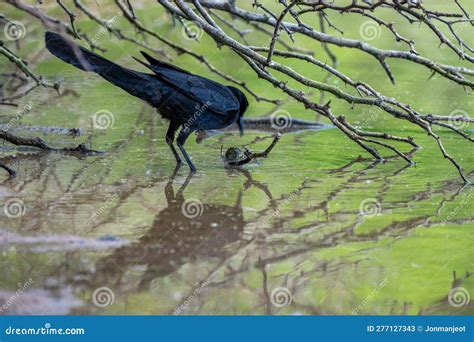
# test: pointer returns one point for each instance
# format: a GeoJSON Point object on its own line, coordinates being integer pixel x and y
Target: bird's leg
{"type": "Point", "coordinates": [169, 191]}
{"type": "Point", "coordinates": [182, 136]}
{"type": "Point", "coordinates": [170, 138]}
{"type": "Point", "coordinates": [183, 187]}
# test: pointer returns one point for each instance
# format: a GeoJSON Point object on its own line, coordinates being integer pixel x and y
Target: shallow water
{"type": "Point", "coordinates": [312, 229]}
{"type": "Point", "coordinates": [331, 236]}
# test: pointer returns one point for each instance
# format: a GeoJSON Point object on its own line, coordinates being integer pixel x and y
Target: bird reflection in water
{"type": "Point", "coordinates": [184, 231]}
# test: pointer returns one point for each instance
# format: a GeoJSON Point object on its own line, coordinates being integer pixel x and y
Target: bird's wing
{"type": "Point", "coordinates": [211, 94]}
{"type": "Point", "coordinates": [157, 63]}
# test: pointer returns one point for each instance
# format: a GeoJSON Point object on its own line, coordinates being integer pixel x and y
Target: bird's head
{"type": "Point", "coordinates": [243, 106]}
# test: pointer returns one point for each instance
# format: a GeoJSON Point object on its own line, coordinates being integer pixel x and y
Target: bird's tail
{"type": "Point", "coordinates": [134, 82]}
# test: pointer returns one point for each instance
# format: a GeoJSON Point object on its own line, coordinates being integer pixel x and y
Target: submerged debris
{"type": "Point", "coordinates": [44, 129]}
{"type": "Point", "coordinates": [266, 124]}
{"type": "Point", "coordinates": [57, 242]}
{"type": "Point", "coordinates": [36, 301]}
{"type": "Point", "coordinates": [234, 156]}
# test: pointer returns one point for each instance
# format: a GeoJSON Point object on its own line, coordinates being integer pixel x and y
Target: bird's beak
{"type": "Point", "coordinates": [241, 125]}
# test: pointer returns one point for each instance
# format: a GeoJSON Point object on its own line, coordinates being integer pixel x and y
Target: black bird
{"type": "Point", "coordinates": [189, 101]}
